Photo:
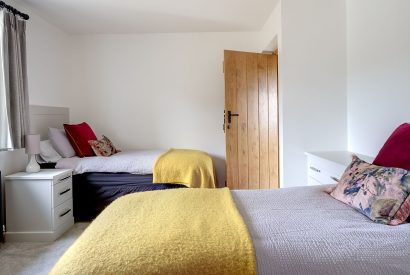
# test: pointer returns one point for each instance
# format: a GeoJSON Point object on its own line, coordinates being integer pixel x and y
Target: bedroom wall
{"type": "Point", "coordinates": [378, 71]}
{"type": "Point", "coordinates": [159, 90]}
{"type": "Point", "coordinates": [51, 74]}
{"type": "Point", "coordinates": [312, 82]}
{"type": "Point", "coordinates": [270, 34]}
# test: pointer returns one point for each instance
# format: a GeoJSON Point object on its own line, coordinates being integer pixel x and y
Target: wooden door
{"type": "Point", "coordinates": [251, 120]}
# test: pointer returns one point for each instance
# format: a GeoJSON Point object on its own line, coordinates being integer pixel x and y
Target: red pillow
{"type": "Point", "coordinates": [396, 151]}
{"type": "Point", "coordinates": [79, 135]}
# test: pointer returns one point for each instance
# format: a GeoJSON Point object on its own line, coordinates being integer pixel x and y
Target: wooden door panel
{"type": "Point", "coordinates": [263, 121]}
{"type": "Point", "coordinates": [232, 133]}
{"type": "Point", "coordinates": [251, 92]}
{"type": "Point", "coordinates": [273, 121]}
{"type": "Point", "coordinates": [242, 121]}
{"type": "Point", "coordinates": [253, 119]}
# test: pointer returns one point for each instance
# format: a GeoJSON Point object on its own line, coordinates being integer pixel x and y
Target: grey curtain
{"type": "Point", "coordinates": [14, 73]}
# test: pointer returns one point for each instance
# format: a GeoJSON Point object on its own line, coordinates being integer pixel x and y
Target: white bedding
{"type": "Point", "coordinates": [139, 162]}
{"type": "Point", "coordinates": [305, 231]}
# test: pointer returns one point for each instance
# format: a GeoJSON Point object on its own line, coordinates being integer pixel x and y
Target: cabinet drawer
{"type": "Point", "coordinates": [324, 171]}
{"type": "Point", "coordinates": [63, 177]}
{"type": "Point", "coordinates": [315, 172]}
{"type": "Point", "coordinates": [62, 192]}
{"type": "Point", "coordinates": [313, 182]}
{"type": "Point", "coordinates": [63, 213]}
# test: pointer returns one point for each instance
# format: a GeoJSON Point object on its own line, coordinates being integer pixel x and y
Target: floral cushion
{"type": "Point", "coordinates": [103, 147]}
{"type": "Point", "coordinates": [378, 192]}
{"type": "Point", "coordinates": [108, 141]}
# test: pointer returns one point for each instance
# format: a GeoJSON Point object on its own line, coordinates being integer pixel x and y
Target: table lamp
{"type": "Point", "coordinates": [32, 148]}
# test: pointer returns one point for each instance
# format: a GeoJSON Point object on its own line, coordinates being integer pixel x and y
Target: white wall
{"type": "Point", "coordinates": [159, 90]}
{"type": "Point", "coordinates": [50, 59]}
{"type": "Point", "coordinates": [378, 71]}
{"type": "Point", "coordinates": [270, 34]}
{"type": "Point", "coordinates": [312, 82]}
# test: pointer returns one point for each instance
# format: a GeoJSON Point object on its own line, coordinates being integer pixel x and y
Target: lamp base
{"type": "Point", "coordinates": [32, 166]}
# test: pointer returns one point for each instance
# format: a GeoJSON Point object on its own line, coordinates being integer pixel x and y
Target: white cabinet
{"type": "Point", "coordinates": [328, 167]}
{"type": "Point", "coordinates": [39, 206]}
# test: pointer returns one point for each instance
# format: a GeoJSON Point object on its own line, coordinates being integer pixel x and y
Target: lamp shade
{"type": "Point", "coordinates": [32, 144]}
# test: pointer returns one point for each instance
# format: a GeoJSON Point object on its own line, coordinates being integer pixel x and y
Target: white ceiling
{"type": "Point", "coordinates": [143, 16]}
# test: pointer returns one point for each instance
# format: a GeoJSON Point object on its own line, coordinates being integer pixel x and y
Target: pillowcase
{"type": "Point", "coordinates": [60, 142]}
{"type": "Point", "coordinates": [378, 192]}
{"type": "Point", "coordinates": [396, 151]}
{"type": "Point", "coordinates": [79, 135]}
{"type": "Point", "coordinates": [47, 153]}
{"type": "Point", "coordinates": [103, 147]}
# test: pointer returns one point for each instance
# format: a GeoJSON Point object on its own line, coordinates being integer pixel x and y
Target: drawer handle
{"type": "Point", "coordinates": [335, 179]}
{"type": "Point", "coordinates": [65, 191]}
{"type": "Point", "coordinates": [314, 169]}
{"type": "Point", "coordinates": [63, 179]}
{"type": "Point", "coordinates": [65, 213]}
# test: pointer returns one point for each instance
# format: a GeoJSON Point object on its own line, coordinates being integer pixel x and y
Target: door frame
{"type": "Point", "coordinates": [273, 91]}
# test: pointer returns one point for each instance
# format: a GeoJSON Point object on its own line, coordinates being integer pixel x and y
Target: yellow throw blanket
{"type": "Point", "coordinates": [180, 231]}
{"type": "Point", "coordinates": [189, 167]}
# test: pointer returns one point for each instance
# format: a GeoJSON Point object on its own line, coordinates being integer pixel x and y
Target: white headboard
{"type": "Point", "coordinates": [43, 117]}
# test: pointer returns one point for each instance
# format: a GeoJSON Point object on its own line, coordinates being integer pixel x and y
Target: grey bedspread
{"type": "Point", "coordinates": [305, 231]}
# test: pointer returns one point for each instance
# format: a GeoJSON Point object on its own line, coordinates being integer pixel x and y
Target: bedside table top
{"type": "Point", "coordinates": [341, 157]}
{"type": "Point", "coordinates": [44, 174]}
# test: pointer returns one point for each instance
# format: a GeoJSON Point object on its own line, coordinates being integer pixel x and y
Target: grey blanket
{"type": "Point", "coordinates": [305, 231]}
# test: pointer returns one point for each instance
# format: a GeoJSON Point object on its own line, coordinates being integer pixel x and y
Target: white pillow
{"type": "Point", "coordinates": [48, 153]}
{"type": "Point", "coordinates": [60, 142]}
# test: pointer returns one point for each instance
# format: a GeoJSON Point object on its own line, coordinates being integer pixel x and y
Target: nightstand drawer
{"type": "Point", "coordinates": [312, 181]}
{"type": "Point", "coordinates": [63, 177]}
{"type": "Point", "coordinates": [62, 192]}
{"type": "Point", "coordinates": [324, 171]}
{"type": "Point", "coordinates": [63, 213]}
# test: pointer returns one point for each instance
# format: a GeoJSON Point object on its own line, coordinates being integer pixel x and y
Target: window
{"type": "Point", "coordinates": [5, 135]}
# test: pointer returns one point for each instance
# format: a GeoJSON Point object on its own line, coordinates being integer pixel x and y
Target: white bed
{"type": "Point", "coordinates": [303, 230]}
{"type": "Point", "coordinates": [293, 231]}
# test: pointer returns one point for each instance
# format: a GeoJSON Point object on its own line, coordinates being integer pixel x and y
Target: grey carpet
{"type": "Point", "coordinates": [36, 258]}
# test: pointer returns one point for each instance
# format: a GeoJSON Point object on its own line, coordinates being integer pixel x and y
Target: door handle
{"type": "Point", "coordinates": [230, 115]}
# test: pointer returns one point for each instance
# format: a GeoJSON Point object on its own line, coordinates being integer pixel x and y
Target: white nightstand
{"type": "Point", "coordinates": [327, 167]}
{"type": "Point", "coordinates": [39, 206]}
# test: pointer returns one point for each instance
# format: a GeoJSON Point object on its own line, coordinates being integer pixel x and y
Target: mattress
{"type": "Point", "coordinates": [138, 162]}
{"type": "Point", "coordinates": [305, 231]}
{"type": "Point", "coordinates": [92, 192]}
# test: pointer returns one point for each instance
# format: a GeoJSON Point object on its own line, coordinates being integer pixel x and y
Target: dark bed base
{"type": "Point", "coordinates": [92, 192]}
